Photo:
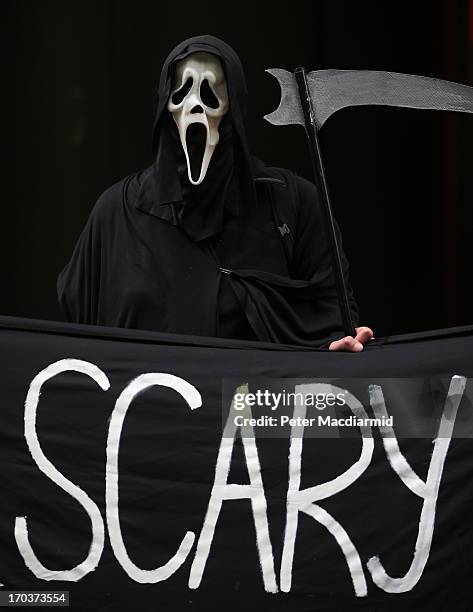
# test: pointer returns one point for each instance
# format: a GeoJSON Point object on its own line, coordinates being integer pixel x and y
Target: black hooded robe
{"type": "Point", "coordinates": [263, 272]}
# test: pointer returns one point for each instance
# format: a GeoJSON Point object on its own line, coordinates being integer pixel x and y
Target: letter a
{"type": "Point", "coordinates": [223, 491]}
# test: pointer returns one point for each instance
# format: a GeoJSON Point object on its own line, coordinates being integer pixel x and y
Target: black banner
{"type": "Point", "coordinates": [135, 473]}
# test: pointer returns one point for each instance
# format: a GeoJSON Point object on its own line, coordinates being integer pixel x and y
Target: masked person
{"type": "Point", "coordinates": [208, 240]}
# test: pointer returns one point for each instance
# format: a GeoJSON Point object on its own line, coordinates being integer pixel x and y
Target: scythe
{"type": "Point", "coordinates": [309, 99]}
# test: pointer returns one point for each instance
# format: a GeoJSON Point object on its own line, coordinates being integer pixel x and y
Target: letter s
{"type": "Point", "coordinates": [21, 531]}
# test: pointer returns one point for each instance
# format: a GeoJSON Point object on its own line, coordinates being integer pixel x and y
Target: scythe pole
{"type": "Point", "coordinates": [320, 178]}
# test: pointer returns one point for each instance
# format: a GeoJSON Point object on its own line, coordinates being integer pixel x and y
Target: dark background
{"type": "Point", "coordinates": [80, 87]}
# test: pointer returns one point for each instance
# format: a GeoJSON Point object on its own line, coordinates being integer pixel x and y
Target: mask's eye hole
{"type": "Point", "coordinates": [207, 95]}
{"type": "Point", "coordinates": [179, 95]}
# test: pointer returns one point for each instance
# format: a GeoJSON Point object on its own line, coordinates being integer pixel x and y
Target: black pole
{"type": "Point", "coordinates": [319, 174]}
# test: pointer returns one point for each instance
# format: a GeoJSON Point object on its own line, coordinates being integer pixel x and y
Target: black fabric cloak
{"type": "Point", "coordinates": [263, 272]}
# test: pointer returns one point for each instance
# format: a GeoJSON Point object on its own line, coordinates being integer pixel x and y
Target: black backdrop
{"type": "Point", "coordinates": [80, 80]}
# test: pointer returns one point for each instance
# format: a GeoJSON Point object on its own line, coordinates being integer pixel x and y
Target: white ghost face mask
{"type": "Point", "coordinates": [198, 101]}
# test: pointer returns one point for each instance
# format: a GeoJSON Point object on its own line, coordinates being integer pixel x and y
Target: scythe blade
{"type": "Point", "coordinates": [333, 90]}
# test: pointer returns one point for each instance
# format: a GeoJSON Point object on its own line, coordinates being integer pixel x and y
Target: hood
{"type": "Point", "coordinates": [236, 82]}
{"type": "Point", "coordinates": [239, 192]}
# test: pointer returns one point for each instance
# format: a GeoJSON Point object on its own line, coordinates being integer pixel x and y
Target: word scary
{"type": "Point", "coordinates": [298, 500]}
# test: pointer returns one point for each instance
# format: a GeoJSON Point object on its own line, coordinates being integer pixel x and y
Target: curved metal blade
{"type": "Point", "coordinates": [289, 110]}
{"type": "Point", "coordinates": [333, 90]}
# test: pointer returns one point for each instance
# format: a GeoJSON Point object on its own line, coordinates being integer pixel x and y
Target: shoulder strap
{"type": "Point", "coordinates": [284, 198]}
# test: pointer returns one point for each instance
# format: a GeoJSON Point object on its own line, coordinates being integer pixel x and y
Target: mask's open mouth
{"type": "Point", "coordinates": [196, 139]}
